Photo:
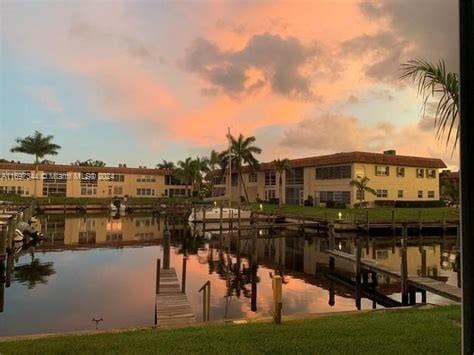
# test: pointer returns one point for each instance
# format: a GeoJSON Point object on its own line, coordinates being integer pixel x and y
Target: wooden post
{"type": "Point", "coordinates": [332, 271]}
{"type": "Point", "coordinates": [403, 266]}
{"type": "Point", "coordinates": [277, 298]}
{"type": "Point", "coordinates": [220, 219]}
{"type": "Point", "coordinates": [332, 237]}
{"type": "Point", "coordinates": [3, 242]}
{"type": "Point", "coordinates": [393, 221]}
{"type": "Point", "coordinates": [158, 275]}
{"type": "Point", "coordinates": [358, 273]}
{"type": "Point", "coordinates": [420, 222]}
{"type": "Point", "coordinates": [183, 274]}
{"type": "Point", "coordinates": [203, 221]}
{"type": "Point", "coordinates": [423, 262]}
{"type": "Point", "coordinates": [239, 221]}
{"type": "Point", "coordinates": [367, 223]}
{"type": "Point", "coordinates": [195, 221]}
{"type": "Point", "coordinates": [208, 315]}
{"type": "Point", "coordinates": [166, 249]}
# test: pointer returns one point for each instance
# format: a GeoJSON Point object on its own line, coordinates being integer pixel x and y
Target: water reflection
{"type": "Point", "coordinates": [101, 267]}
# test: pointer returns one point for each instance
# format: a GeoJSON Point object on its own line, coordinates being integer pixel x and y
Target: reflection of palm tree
{"type": "Point", "coordinates": [33, 273]}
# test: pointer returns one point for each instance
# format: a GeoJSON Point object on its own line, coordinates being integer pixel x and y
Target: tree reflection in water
{"type": "Point", "coordinates": [33, 273]}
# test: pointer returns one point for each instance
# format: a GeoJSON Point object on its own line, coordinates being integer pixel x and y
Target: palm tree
{"type": "Point", "coordinates": [214, 160]}
{"type": "Point", "coordinates": [33, 273]}
{"type": "Point", "coordinates": [281, 165]}
{"type": "Point", "coordinates": [167, 165]}
{"type": "Point", "coordinates": [362, 187]}
{"type": "Point", "coordinates": [89, 162]}
{"type": "Point", "coordinates": [200, 166]}
{"type": "Point", "coordinates": [242, 152]}
{"type": "Point", "coordinates": [434, 81]}
{"type": "Point", "coordinates": [185, 172]}
{"type": "Point", "coordinates": [37, 145]}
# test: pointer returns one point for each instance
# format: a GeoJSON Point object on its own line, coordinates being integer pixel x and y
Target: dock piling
{"type": "Point", "coordinates": [277, 298]}
{"type": "Point", "coordinates": [404, 266]}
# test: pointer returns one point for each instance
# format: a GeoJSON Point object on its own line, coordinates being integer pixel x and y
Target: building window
{"type": "Point", "coordinates": [252, 177]}
{"type": "Point", "coordinates": [333, 172]}
{"type": "Point", "coordinates": [431, 173]}
{"type": "Point", "coordinates": [234, 179]}
{"type": "Point", "coordinates": [431, 194]}
{"type": "Point", "coordinates": [118, 190]}
{"type": "Point", "coordinates": [172, 180]}
{"type": "Point", "coordinates": [116, 177]}
{"type": "Point", "coordinates": [270, 194]}
{"type": "Point", "coordinates": [335, 196]}
{"type": "Point", "coordinates": [54, 183]}
{"type": "Point", "coordinates": [270, 178]}
{"type": "Point", "coordinates": [145, 192]}
{"type": "Point", "coordinates": [382, 193]}
{"type": "Point", "coordinates": [14, 190]}
{"type": "Point", "coordinates": [400, 194]}
{"type": "Point", "coordinates": [420, 173]}
{"type": "Point", "coordinates": [382, 170]}
{"type": "Point", "coordinates": [420, 194]}
{"type": "Point", "coordinates": [295, 177]}
{"type": "Point", "coordinates": [146, 178]}
{"type": "Point", "coordinates": [400, 171]}
{"type": "Point", "coordinates": [218, 180]}
{"type": "Point", "coordinates": [360, 195]}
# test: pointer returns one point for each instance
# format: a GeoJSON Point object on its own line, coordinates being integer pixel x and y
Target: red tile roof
{"type": "Point", "coordinates": [76, 168]}
{"type": "Point", "coordinates": [361, 157]}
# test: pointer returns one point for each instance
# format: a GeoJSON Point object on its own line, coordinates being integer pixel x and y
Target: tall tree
{"type": "Point", "coordinates": [185, 172]}
{"type": "Point", "coordinates": [281, 166]}
{"type": "Point", "coordinates": [362, 186]}
{"type": "Point", "coordinates": [89, 162]}
{"type": "Point", "coordinates": [168, 165]}
{"type": "Point", "coordinates": [37, 144]}
{"type": "Point", "coordinates": [213, 162]}
{"type": "Point", "coordinates": [242, 150]}
{"type": "Point", "coordinates": [434, 82]}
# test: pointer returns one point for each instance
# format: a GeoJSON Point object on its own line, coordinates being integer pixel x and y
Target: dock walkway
{"type": "Point", "coordinates": [423, 283]}
{"type": "Point", "coordinates": [172, 305]}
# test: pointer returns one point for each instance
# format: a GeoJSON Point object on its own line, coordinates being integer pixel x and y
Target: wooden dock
{"type": "Point", "coordinates": [419, 282]}
{"type": "Point", "coordinates": [172, 305]}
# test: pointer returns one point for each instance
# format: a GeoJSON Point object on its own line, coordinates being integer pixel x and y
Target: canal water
{"type": "Point", "coordinates": [98, 267]}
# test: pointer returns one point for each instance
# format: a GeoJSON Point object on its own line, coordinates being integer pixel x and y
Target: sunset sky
{"type": "Point", "coordinates": [140, 81]}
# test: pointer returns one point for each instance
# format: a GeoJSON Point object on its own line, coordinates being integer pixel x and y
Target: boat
{"type": "Point", "coordinates": [228, 214]}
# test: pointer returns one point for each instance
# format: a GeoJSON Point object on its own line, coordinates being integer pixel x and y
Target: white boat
{"type": "Point", "coordinates": [214, 214]}
{"type": "Point", "coordinates": [114, 209]}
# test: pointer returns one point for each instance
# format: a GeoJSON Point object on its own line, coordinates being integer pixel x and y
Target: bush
{"type": "Point", "coordinates": [364, 204]}
{"type": "Point", "coordinates": [309, 201]}
{"type": "Point", "coordinates": [334, 204]}
{"type": "Point", "coordinates": [274, 201]}
{"type": "Point", "coordinates": [419, 204]}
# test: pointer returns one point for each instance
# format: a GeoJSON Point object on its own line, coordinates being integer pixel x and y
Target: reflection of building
{"type": "Point", "coordinates": [306, 255]}
{"type": "Point", "coordinates": [103, 230]}
{"type": "Point", "coordinates": [80, 181]}
{"type": "Point", "coordinates": [327, 179]}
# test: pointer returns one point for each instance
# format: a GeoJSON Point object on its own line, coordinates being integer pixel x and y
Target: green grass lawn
{"type": "Point", "coordinates": [413, 331]}
{"type": "Point", "coordinates": [375, 214]}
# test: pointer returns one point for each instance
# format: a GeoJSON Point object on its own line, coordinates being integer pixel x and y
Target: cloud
{"type": "Point", "coordinates": [424, 28]}
{"type": "Point", "coordinates": [332, 132]}
{"type": "Point", "coordinates": [46, 97]}
{"type": "Point", "coordinates": [277, 62]}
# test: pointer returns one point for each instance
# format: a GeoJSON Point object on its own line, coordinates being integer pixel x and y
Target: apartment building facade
{"type": "Point", "coordinates": [79, 181]}
{"type": "Point", "coordinates": [328, 178]}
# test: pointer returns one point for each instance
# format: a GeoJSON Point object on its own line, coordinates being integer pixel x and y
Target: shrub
{"type": "Point", "coordinates": [419, 204]}
{"type": "Point", "coordinates": [309, 201]}
{"type": "Point", "coordinates": [384, 203]}
{"type": "Point", "coordinates": [334, 204]}
{"type": "Point", "coordinates": [274, 201]}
